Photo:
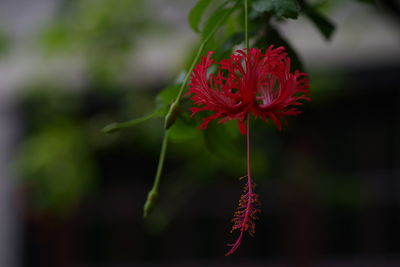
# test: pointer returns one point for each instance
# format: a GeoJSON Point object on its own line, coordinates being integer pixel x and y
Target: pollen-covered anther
{"type": "Point", "coordinates": [246, 213]}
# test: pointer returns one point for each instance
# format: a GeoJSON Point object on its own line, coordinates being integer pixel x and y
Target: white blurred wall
{"type": "Point", "coordinates": [19, 20]}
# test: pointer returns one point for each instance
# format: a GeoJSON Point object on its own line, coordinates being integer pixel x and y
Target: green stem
{"type": "Point", "coordinates": [200, 51]}
{"type": "Point", "coordinates": [173, 111]}
{"type": "Point", "coordinates": [161, 161]}
{"type": "Point", "coordinates": [130, 123]}
{"type": "Point", "coordinates": [116, 126]}
{"type": "Point", "coordinates": [172, 114]}
{"type": "Point", "coordinates": [153, 193]}
{"type": "Point", "coordinates": [246, 25]}
{"type": "Point", "coordinates": [196, 58]}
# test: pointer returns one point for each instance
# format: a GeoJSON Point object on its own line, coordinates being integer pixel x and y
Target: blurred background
{"type": "Point", "coordinates": [71, 196]}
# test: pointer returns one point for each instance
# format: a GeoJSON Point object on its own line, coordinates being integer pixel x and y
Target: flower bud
{"type": "Point", "coordinates": [150, 202]}
{"type": "Point", "coordinates": [172, 115]}
{"type": "Point", "coordinates": [111, 128]}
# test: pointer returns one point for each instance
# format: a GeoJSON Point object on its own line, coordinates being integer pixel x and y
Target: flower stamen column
{"type": "Point", "coordinates": [246, 213]}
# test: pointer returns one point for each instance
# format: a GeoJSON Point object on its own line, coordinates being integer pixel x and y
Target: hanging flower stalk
{"type": "Point", "coordinates": [249, 83]}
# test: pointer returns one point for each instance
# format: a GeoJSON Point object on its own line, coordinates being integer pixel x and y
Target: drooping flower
{"type": "Point", "coordinates": [249, 82]}
{"type": "Point", "coordinates": [254, 83]}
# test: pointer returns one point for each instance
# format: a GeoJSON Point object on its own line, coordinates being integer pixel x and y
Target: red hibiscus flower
{"type": "Point", "coordinates": [248, 83]}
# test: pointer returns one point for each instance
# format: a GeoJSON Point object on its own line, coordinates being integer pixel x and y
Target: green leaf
{"type": "Point", "coordinates": [222, 140]}
{"type": "Point", "coordinates": [166, 97]}
{"type": "Point", "coordinates": [280, 8]}
{"type": "Point", "coordinates": [183, 130]}
{"type": "Point", "coordinates": [224, 50]}
{"type": "Point", "coordinates": [324, 25]}
{"type": "Point", "coordinates": [196, 13]}
{"type": "Point", "coordinates": [217, 18]}
{"type": "Point", "coordinates": [276, 39]}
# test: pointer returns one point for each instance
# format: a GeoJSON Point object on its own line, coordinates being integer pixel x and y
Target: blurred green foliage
{"type": "Point", "coordinates": [57, 155]}
{"type": "Point", "coordinates": [3, 43]}
{"type": "Point", "coordinates": [104, 32]}
{"type": "Point", "coordinates": [59, 166]}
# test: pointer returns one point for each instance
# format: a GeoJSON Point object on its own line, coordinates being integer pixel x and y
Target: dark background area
{"type": "Point", "coordinates": [330, 199]}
